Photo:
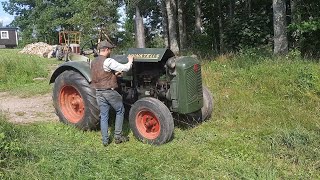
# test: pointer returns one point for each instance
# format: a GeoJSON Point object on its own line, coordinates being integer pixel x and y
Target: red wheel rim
{"type": "Point", "coordinates": [71, 104]}
{"type": "Point", "coordinates": [148, 124]}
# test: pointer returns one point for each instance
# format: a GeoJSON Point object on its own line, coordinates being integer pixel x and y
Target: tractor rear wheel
{"type": "Point", "coordinates": [151, 121]}
{"type": "Point", "coordinates": [195, 118]}
{"type": "Point", "coordinates": [74, 101]}
{"type": "Point", "coordinates": [207, 108]}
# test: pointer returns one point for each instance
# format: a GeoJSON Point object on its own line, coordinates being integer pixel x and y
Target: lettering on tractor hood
{"type": "Point", "coordinates": [150, 54]}
{"type": "Point", "coordinates": [145, 56]}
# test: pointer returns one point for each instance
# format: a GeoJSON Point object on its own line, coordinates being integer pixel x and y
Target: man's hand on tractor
{"type": "Point", "coordinates": [130, 58]}
{"type": "Point", "coordinates": [118, 74]}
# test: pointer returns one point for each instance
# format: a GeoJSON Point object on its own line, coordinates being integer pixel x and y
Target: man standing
{"type": "Point", "coordinates": [104, 80]}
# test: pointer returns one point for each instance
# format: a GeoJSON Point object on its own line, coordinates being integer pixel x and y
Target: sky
{"type": "Point", "coordinates": [4, 17]}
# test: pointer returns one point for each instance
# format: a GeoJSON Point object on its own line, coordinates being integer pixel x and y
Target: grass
{"type": "Point", "coordinates": [19, 73]}
{"type": "Point", "coordinates": [265, 126]}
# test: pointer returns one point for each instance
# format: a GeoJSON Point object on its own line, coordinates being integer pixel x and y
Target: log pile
{"type": "Point", "coordinates": [41, 49]}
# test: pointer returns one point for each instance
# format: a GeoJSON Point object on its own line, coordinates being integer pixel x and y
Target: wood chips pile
{"type": "Point", "coordinates": [41, 49]}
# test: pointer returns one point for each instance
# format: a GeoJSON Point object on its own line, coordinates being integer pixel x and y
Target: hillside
{"type": "Point", "coordinates": [265, 126]}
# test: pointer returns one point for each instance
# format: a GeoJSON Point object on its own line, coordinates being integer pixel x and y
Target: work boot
{"type": "Point", "coordinates": [121, 139]}
{"type": "Point", "coordinates": [105, 144]}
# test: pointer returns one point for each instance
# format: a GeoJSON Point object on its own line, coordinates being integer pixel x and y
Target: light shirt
{"type": "Point", "coordinates": [110, 64]}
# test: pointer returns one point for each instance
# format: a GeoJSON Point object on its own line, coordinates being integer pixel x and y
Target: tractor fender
{"type": "Point", "coordinates": [80, 66]}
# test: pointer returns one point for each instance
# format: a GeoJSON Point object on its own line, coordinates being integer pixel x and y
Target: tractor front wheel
{"type": "Point", "coordinates": [74, 101]}
{"type": "Point", "coordinates": [151, 121]}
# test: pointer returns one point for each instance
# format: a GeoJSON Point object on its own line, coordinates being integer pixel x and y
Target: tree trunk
{"type": "Point", "coordinates": [182, 24]}
{"type": "Point", "coordinates": [214, 36]}
{"type": "Point", "coordinates": [280, 27]}
{"type": "Point", "coordinates": [172, 26]}
{"type": "Point", "coordinates": [295, 18]}
{"type": "Point", "coordinates": [140, 36]}
{"type": "Point", "coordinates": [231, 8]}
{"type": "Point", "coordinates": [293, 10]}
{"type": "Point", "coordinates": [198, 16]}
{"type": "Point", "coordinates": [248, 6]}
{"type": "Point", "coordinates": [165, 23]}
{"type": "Point", "coordinates": [221, 34]}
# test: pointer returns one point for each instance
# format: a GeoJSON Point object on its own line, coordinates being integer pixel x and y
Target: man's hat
{"type": "Point", "coordinates": [105, 44]}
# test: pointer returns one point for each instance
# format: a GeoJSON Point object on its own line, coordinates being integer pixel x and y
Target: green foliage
{"type": "Point", "coordinates": [126, 39]}
{"type": "Point", "coordinates": [305, 28]}
{"type": "Point", "coordinates": [202, 47]}
{"type": "Point", "coordinates": [41, 20]}
{"type": "Point", "coordinates": [253, 31]}
{"type": "Point", "coordinates": [91, 16]}
{"type": "Point", "coordinates": [228, 25]}
{"type": "Point", "coordinates": [157, 42]}
{"type": "Point", "coordinates": [18, 73]}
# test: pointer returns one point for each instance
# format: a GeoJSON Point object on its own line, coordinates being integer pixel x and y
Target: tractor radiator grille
{"type": "Point", "coordinates": [194, 84]}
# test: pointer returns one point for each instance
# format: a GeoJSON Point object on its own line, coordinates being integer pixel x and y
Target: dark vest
{"type": "Point", "coordinates": [102, 79]}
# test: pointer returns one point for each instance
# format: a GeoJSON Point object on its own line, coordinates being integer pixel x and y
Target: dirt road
{"type": "Point", "coordinates": [27, 110]}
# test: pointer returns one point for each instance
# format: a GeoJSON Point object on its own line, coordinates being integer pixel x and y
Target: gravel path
{"type": "Point", "coordinates": [27, 110]}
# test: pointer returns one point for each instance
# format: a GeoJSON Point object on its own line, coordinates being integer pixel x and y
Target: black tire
{"type": "Point", "coordinates": [151, 121]}
{"type": "Point", "coordinates": [195, 118]}
{"type": "Point", "coordinates": [207, 108]}
{"type": "Point", "coordinates": [75, 102]}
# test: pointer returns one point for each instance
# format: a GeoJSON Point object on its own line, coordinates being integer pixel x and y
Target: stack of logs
{"type": "Point", "coordinates": [41, 49]}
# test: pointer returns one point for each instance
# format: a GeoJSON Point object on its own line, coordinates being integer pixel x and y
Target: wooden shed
{"type": "Point", "coordinates": [8, 37]}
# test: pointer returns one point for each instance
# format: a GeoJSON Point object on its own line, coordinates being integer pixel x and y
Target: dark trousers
{"type": "Point", "coordinates": [105, 99]}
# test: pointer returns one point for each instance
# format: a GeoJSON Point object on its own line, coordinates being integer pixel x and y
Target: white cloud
{"type": "Point", "coordinates": [6, 19]}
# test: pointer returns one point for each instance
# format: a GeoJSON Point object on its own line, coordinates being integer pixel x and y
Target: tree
{"type": "Point", "coordinates": [140, 37]}
{"type": "Point", "coordinates": [182, 24]}
{"type": "Point", "coordinates": [150, 13]}
{"type": "Point", "coordinates": [198, 19]}
{"type": "Point", "coordinates": [164, 21]}
{"type": "Point", "coordinates": [280, 27]}
{"type": "Point", "coordinates": [172, 26]}
{"type": "Point", "coordinates": [94, 18]}
{"type": "Point", "coordinates": [205, 27]}
{"type": "Point", "coordinates": [305, 27]}
{"type": "Point", "coordinates": [40, 20]}
{"type": "Point", "coordinates": [221, 32]}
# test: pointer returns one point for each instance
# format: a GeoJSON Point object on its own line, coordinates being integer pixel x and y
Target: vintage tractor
{"type": "Point", "coordinates": [69, 42]}
{"type": "Point", "coordinates": [159, 89]}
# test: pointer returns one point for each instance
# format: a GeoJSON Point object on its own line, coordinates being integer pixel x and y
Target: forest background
{"type": "Point", "coordinates": [203, 27]}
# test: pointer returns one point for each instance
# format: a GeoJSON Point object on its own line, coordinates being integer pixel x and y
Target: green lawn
{"type": "Point", "coordinates": [25, 75]}
{"type": "Point", "coordinates": [265, 126]}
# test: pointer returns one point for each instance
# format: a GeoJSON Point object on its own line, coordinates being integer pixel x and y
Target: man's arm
{"type": "Point", "coordinates": [111, 64]}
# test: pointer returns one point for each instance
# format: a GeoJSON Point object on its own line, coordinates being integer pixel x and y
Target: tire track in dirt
{"type": "Point", "coordinates": [27, 110]}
